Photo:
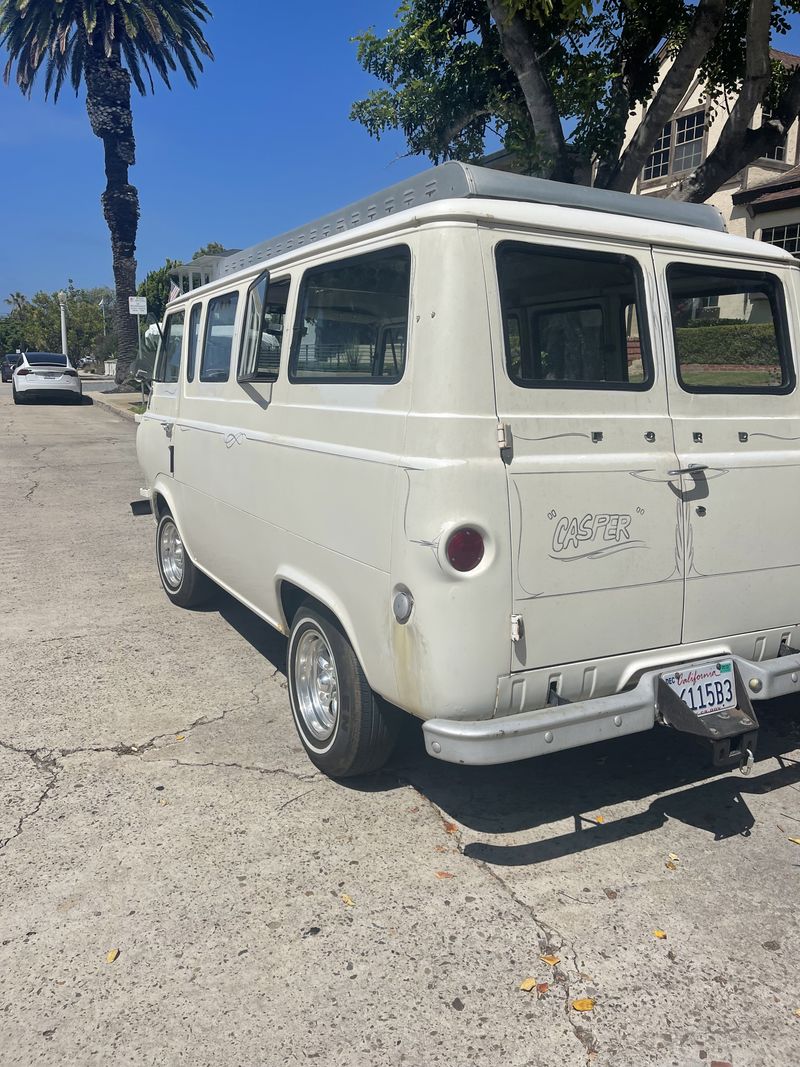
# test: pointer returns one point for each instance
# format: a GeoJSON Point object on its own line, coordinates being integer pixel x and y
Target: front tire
{"type": "Point", "coordinates": [183, 583]}
{"type": "Point", "coordinates": [345, 728]}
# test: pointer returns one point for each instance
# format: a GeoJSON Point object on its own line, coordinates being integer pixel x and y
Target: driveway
{"type": "Point", "coordinates": [156, 804]}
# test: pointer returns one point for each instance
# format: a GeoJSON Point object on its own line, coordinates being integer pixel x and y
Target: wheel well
{"type": "Point", "coordinates": [159, 506]}
{"type": "Point", "coordinates": [292, 596]}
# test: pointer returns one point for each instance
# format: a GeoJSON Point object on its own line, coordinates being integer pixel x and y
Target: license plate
{"type": "Point", "coordinates": [49, 375]}
{"type": "Point", "coordinates": [706, 687]}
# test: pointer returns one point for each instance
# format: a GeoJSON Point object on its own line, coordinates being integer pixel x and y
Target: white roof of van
{"type": "Point", "coordinates": [462, 181]}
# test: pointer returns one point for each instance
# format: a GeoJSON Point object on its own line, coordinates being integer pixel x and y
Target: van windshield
{"type": "Point", "coordinates": [571, 318]}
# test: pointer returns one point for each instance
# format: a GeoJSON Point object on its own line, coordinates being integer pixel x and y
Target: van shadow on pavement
{"type": "Point", "coordinates": [521, 796]}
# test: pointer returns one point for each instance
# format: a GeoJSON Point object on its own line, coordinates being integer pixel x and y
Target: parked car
{"type": "Point", "coordinates": [7, 365]}
{"type": "Point", "coordinates": [45, 374]}
{"type": "Point", "coordinates": [516, 457]}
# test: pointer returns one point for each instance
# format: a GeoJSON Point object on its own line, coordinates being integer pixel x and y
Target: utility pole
{"type": "Point", "coordinates": [62, 303]}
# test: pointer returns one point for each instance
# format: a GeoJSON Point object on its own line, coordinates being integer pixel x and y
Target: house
{"type": "Point", "coordinates": [762, 201]}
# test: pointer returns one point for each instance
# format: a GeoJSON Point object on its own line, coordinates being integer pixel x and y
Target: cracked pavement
{"type": "Point", "coordinates": [155, 800]}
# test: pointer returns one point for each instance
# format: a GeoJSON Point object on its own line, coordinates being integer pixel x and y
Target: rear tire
{"type": "Point", "coordinates": [345, 728]}
{"type": "Point", "coordinates": [15, 395]}
{"type": "Point", "coordinates": [183, 583]}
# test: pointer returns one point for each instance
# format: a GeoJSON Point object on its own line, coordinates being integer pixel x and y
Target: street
{"type": "Point", "coordinates": [157, 803]}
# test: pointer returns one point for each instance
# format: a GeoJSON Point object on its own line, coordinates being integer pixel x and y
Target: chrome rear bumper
{"type": "Point", "coordinates": [551, 729]}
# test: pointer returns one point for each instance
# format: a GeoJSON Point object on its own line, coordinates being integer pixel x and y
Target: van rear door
{"type": "Point", "coordinates": [728, 328]}
{"type": "Point", "coordinates": [581, 394]}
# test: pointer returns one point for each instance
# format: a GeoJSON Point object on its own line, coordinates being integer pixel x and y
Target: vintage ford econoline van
{"type": "Point", "coordinates": [521, 459]}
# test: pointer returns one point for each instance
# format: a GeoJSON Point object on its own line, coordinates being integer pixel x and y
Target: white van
{"type": "Point", "coordinates": [518, 458]}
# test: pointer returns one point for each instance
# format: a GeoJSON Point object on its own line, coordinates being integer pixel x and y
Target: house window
{"type": "Point", "coordinates": [688, 149]}
{"type": "Point", "coordinates": [787, 237]}
{"type": "Point", "coordinates": [657, 165]}
{"type": "Point", "coordinates": [679, 147]}
{"type": "Point", "coordinates": [779, 151]}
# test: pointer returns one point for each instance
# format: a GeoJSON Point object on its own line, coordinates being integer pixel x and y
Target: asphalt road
{"type": "Point", "coordinates": [155, 801]}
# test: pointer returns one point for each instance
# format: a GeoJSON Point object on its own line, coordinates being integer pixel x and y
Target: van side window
{"type": "Point", "coordinates": [729, 330]}
{"type": "Point", "coordinates": [218, 342]}
{"type": "Point", "coordinates": [194, 336]}
{"type": "Point", "coordinates": [263, 330]}
{"type": "Point", "coordinates": [169, 360]}
{"type": "Point", "coordinates": [571, 319]}
{"type": "Point", "coordinates": [352, 319]}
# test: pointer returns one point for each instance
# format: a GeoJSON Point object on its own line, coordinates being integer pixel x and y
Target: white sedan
{"type": "Point", "coordinates": [40, 374]}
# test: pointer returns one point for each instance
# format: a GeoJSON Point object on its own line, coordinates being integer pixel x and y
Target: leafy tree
{"type": "Point", "coordinates": [214, 248]}
{"type": "Point", "coordinates": [35, 324]}
{"type": "Point", "coordinates": [105, 45]}
{"type": "Point", "coordinates": [156, 286]}
{"type": "Point", "coordinates": [527, 70]}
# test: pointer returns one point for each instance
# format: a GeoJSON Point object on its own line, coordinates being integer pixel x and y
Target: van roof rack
{"type": "Point", "coordinates": [455, 180]}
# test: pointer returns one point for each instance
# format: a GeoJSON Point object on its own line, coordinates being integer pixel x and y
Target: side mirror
{"type": "Point", "coordinates": [144, 379]}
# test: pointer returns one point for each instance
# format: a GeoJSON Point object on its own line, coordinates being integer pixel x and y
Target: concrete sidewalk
{"type": "Point", "coordinates": [120, 403]}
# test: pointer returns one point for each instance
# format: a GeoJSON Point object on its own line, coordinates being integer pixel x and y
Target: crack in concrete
{"type": "Point", "coordinates": [31, 491]}
{"type": "Point", "coordinates": [46, 765]}
{"type": "Point", "coordinates": [549, 939]}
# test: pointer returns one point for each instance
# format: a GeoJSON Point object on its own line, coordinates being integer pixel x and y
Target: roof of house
{"type": "Point", "coordinates": [777, 192]}
{"type": "Point", "coordinates": [787, 58]}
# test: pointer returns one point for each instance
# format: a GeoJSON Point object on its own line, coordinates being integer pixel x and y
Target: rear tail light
{"type": "Point", "coordinates": [24, 370]}
{"type": "Point", "coordinates": [71, 373]}
{"type": "Point", "coordinates": [465, 549]}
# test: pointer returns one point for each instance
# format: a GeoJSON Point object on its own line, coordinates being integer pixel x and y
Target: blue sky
{"type": "Point", "coordinates": [264, 144]}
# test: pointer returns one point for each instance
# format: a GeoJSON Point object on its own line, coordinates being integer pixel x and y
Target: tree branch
{"type": "Point", "coordinates": [734, 147]}
{"type": "Point", "coordinates": [518, 48]}
{"type": "Point", "coordinates": [677, 80]}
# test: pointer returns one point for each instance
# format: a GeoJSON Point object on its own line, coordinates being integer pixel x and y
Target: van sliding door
{"type": "Point", "coordinates": [580, 384]}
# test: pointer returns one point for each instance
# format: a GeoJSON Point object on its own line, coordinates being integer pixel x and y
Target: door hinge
{"type": "Point", "coordinates": [504, 438]}
{"type": "Point", "coordinates": [517, 628]}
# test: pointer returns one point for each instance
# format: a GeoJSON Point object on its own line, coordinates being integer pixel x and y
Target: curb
{"type": "Point", "coordinates": [130, 416]}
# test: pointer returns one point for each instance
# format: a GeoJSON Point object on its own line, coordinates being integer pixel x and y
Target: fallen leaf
{"type": "Point", "coordinates": [180, 737]}
{"type": "Point", "coordinates": [541, 988]}
{"type": "Point", "coordinates": [444, 874]}
{"type": "Point", "coordinates": [551, 961]}
{"type": "Point", "coordinates": [795, 840]}
{"type": "Point", "coordinates": [527, 984]}
{"type": "Point", "coordinates": [440, 848]}
{"type": "Point", "coordinates": [611, 893]}
{"type": "Point", "coordinates": [673, 857]}
{"type": "Point", "coordinates": [599, 818]}
{"type": "Point", "coordinates": [660, 935]}
{"type": "Point", "coordinates": [450, 828]}
{"type": "Point", "coordinates": [162, 802]}
{"type": "Point", "coordinates": [796, 1012]}
{"type": "Point", "coordinates": [111, 955]}
{"type": "Point", "coordinates": [583, 1004]}
{"type": "Point", "coordinates": [671, 866]}
{"type": "Point", "coordinates": [348, 901]}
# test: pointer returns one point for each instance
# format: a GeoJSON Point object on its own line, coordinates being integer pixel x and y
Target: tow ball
{"type": "Point", "coordinates": [732, 734]}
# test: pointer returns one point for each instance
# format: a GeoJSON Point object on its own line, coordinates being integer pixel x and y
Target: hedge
{"type": "Point", "coordinates": [745, 345]}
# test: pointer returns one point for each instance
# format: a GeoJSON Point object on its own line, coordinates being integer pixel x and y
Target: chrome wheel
{"type": "Point", "coordinates": [170, 549]}
{"type": "Point", "coordinates": [316, 685]}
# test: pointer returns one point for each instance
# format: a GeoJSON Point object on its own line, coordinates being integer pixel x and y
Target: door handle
{"type": "Point", "coordinates": [167, 428]}
{"type": "Point", "coordinates": [693, 468]}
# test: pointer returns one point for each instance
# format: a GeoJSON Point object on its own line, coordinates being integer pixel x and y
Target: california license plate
{"type": "Point", "coordinates": [706, 687]}
{"type": "Point", "coordinates": [49, 375]}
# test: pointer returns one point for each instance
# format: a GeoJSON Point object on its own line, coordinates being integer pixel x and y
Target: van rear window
{"type": "Point", "coordinates": [572, 318]}
{"type": "Point", "coordinates": [729, 330]}
{"type": "Point", "coordinates": [352, 319]}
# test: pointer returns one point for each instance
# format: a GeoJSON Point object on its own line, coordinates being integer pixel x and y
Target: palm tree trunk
{"type": "Point", "coordinates": [108, 103]}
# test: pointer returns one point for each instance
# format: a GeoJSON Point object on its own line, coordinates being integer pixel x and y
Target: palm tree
{"type": "Point", "coordinates": [106, 45]}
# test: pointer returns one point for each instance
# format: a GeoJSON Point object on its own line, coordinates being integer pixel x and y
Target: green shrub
{"type": "Point", "coordinates": [746, 344]}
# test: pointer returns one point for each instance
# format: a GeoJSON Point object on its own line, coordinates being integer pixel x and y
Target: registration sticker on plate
{"type": "Point", "coordinates": [706, 687]}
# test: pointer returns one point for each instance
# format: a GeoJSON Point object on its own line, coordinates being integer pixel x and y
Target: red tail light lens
{"type": "Point", "coordinates": [465, 549]}
{"type": "Point", "coordinates": [24, 370]}
{"type": "Point", "coordinates": [71, 373]}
